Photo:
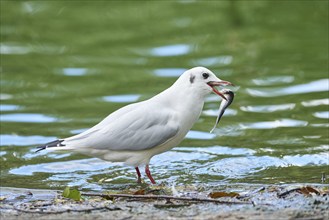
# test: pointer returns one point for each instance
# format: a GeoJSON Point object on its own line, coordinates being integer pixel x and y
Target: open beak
{"type": "Point", "coordinates": [212, 84]}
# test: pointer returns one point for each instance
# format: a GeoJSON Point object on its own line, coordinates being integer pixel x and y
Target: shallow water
{"type": "Point", "coordinates": [64, 67]}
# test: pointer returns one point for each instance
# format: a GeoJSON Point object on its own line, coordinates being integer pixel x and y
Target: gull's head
{"type": "Point", "coordinates": [203, 81]}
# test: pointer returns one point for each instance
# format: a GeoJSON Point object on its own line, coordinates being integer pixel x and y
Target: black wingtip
{"type": "Point", "coordinates": [40, 149]}
{"type": "Point", "coordinates": [57, 143]}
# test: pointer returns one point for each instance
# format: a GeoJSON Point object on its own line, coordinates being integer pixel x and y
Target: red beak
{"type": "Point", "coordinates": [212, 84]}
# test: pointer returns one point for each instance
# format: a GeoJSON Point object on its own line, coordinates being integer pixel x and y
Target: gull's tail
{"type": "Point", "coordinates": [57, 143]}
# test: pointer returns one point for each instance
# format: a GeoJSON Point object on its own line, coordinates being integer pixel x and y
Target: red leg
{"type": "Point", "coordinates": [148, 173]}
{"type": "Point", "coordinates": [138, 175]}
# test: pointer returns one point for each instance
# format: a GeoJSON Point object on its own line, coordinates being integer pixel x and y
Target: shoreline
{"type": "Point", "coordinates": [302, 201]}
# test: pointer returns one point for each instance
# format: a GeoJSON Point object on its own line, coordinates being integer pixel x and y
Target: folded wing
{"type": "Point", "coordinates": [140, 128]}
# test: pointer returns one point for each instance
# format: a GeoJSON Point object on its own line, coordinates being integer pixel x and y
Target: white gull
{"type": "Point", "coordinates": [135, 133]}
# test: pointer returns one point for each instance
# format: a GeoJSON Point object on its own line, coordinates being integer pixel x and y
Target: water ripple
{"type": "Point", "coordinates": [172, 158]}
{"type": "Point", "coordinates": [274, 124]}
{"type": "Point", "coordinates": [27, 117]}
{"type": "Point", "coordinates": [316, 102]}
{"type": "Point", "coordinates": [183, 22]}
{"type": "Point", "coordinates": [22, 49]}
{"type": "Point", "coordinates": [182, 161]}
{"type": "Point", "coordinates": [324, 114]}
{"type": "Point", "coordinates": [200, 135]}
{"type": "Point", "coordinates": [307, 159]}
{"type": "Point", "coordinates": [78, 131]}
{"type": "Point", "coordinates": [268, 108]}
{"type": "Point", "coordinates": [273, 80]}
{"type": "Point", "coordinates": [17, 140]}
{"type": "Point", "coordinates": [13, 49]}
{"type": "Point", "coordinates": [171, 50]}
{"type": "Point", "coordinates": [4, 96]}
{"type": "Point", "coordinates": [169, 72]}
{"type": "Point", "coordinates": [315, 86]}
{"type": "Point", "coordinates": [33, 7]}
{"type": "Point", "coordinates": [286, 141]}
{"type": "Point", "coordinates": [62, 167]}
{"type": "Point", "coordinates": [236, 167]}
{"type": "Point", "coordinates": [74, 71]}
{"type": "Point", "coordinates": [325, 125]}
{"type": "Point", "coordinates": [213, 61]}
{"type": "Point", "coordinates": [229, 131]}
{"type": "Point", "coordinates": [5, 107]}
{"type": "Point", "coordinates": [218, 150]}
{"type": "Point", "coordinates": [122, 98]}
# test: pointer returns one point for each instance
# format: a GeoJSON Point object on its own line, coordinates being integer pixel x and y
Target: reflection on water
{"type": "Point", "coordinates": [22, 49]}
{"type": "Point", "coordinates": [321, 114]}
{"type": "Point", "coordinates": [218, 150]}
{"type": "Point", "coordinates": [17, 140]}
{"type": "Point", "coordinates": [315, 86]}
{"type": "Point", "coordinates": [4, 107]}
{"type": "Point", "coordinates": [232, 130]}
{"type": "Point", "coordinates": [13, 49]}
{"type": "Point", "coordinates": [4, 96]}
{"type": "Point", "coordinates": [27, 117]}
{"type": "Point", "coordinates": [62, 167]}
{"type": "Point", "coordinates": [78, 131]}
{"type": "Point", "coordinates": [183, 22]}
{"type": "Point", "coordinates": [75, 71]}
{"type": "Point", "coordinates": [210, 161]}
{"type": "Point", "coordinates": [315, 102]}
{"type": "Point", "coordinates": [274, 124]}
{"type": "Point", "coordinates": [171, 50]}
{"type": "Point", "coordinates": [325, 125]}
{"type": "Point", "coordinates": [307, 159]}
{"type": "Point", "coordinates": [213, 61]}
{"type": "Point", "coordinates": [122, 98]}
{"type": "Point", "coordinates": [268, 108]}
{"type": "Point", "coordinates": [278, 122]}
{"type": "Point", "coordinates": [199, 135]}
{"type": "Point", "coordinates": [33, 7]}
{"type": "Point", "coordinates": [273, 80]}
{"type": "Point", "coordinates": [169, 72]}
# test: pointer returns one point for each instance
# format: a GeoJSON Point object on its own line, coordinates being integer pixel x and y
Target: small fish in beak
{"type": "Point", "coordinates": [229, 96]}
{"type": "Point", "coordinates": [213, 84]}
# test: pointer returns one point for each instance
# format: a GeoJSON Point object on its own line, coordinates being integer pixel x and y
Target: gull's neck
{"type": "Point", "coordinates": [182, 97]}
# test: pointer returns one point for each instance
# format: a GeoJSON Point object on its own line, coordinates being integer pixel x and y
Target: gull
{"type": "Point", "coordinates": [135, 133]}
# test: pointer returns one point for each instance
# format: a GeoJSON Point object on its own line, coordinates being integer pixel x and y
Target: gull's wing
{"type": "Point", "coordinates": [134, 127]}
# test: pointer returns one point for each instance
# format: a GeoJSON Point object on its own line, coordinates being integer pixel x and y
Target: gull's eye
{"type": "Point", "coordinates": [205, 75]}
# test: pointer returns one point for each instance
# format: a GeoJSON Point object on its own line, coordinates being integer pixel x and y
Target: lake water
{"type": "Point", "coordinates": [66, 66]}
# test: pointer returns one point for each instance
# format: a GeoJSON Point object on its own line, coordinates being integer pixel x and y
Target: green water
{"type": "Point", "coordinates": [67, 65]}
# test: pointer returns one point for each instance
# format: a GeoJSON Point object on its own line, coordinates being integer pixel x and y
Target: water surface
{"type": "Point", "coordinates": [62, 73]}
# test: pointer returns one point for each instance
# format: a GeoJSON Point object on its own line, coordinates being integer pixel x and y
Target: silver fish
{"type": "Point", "coordinates": [229, 95]}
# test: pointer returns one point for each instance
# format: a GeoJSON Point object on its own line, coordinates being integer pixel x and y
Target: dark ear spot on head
{"type": "Point", "coordinates": [192, 77]}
